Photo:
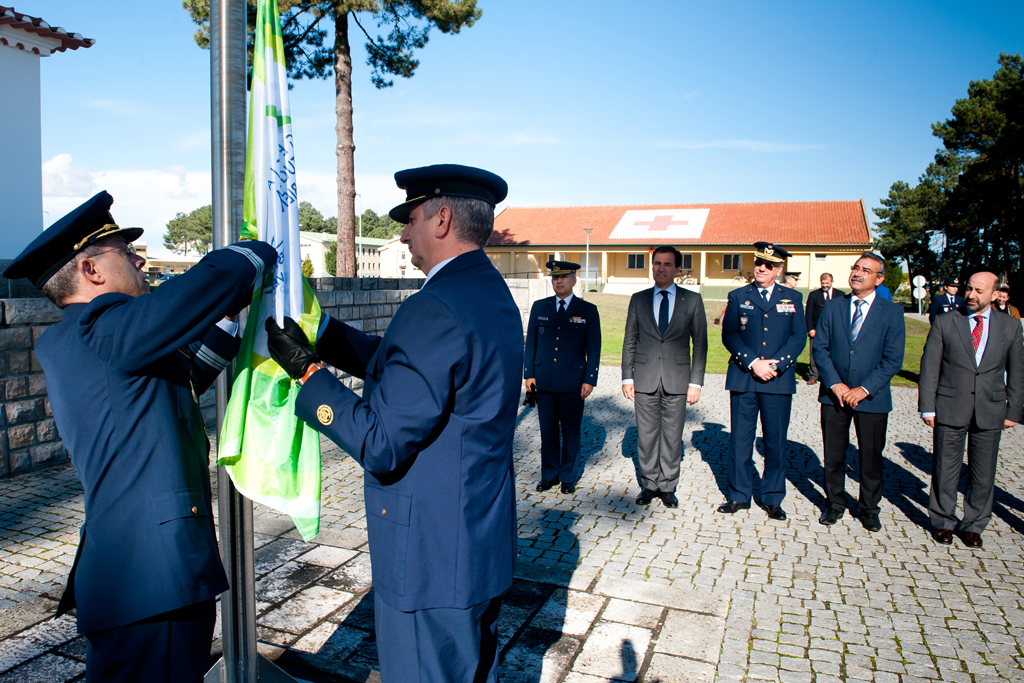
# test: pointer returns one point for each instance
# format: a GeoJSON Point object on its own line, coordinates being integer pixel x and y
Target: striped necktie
{"type": "Point", "coordinates": [858, 320]}
{"type": "Point", "coordinates": [979, 321]}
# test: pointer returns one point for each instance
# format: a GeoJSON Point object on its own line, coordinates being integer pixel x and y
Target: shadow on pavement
{"type": "Point", "coordinates": [713, 444]}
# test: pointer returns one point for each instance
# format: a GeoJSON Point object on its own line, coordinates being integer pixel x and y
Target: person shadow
{"type": "Point", "coordinates": [532, 622]}
{"type": "Point", "coordinates": [1003, 505]}
{"type": "Point", "coordinates": [712, 442]}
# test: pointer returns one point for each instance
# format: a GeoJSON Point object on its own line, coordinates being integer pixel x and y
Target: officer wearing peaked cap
{"type": "Point", "coordinates": [563, 350]}
{"type": "Point", "coordinates": [764, 330]}
{"type": "Point", "coordinates": [123, 369]}
{"type": "Point", "coordinates": [948, 301]}
{"type": "Point", "coordinates": [433, 431]}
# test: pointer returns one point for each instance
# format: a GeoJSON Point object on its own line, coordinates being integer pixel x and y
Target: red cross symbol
{"type": "Point", "coordinates": [660, 223]}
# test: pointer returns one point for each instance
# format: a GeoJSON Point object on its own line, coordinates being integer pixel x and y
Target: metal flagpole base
{"type": "Point", "coordinates": [266, 672]}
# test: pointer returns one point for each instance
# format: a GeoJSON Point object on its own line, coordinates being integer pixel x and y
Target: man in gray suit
{"type": "Point", "coordinates": [658, 373]}
{"type": "Point", "coordinates": [971, 388]}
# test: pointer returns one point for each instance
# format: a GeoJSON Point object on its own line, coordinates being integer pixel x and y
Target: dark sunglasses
{"type": "Point", "coordinates": [766, 264]}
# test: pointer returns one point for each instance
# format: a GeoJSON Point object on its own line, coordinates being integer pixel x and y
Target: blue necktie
{"type": "Point", "coordinates": [663, 313]}
{"type": "Point", "coordinates": [764, 294]}
{"type": "Point", "coordinates": [561, 311]}
{"type": "Point", "coordinates": [858, 320]}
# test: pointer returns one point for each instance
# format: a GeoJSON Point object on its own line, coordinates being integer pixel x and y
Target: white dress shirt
{"type": "Point", "coordinates": [567, 300]}
{"type": "Point", "coordinates": [435, 270]}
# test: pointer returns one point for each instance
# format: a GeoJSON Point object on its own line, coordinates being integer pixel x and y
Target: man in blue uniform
{"type": "Point", "coordinates": [764, 330]}
{"type": "Point", "coordinates": [124, 369]}
{"type": "Point", "coordinates": [563, 349]}
{"type": "Point", "coordinates": [433, 430]}
{"type": "Point", "coordinates": [947, 301]}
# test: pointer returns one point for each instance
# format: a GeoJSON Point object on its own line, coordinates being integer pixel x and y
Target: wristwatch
{"type": "Point", "coordinates": [313, 367]}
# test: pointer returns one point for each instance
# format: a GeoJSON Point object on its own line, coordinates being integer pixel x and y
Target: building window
{"type": "Point", "coordinates": [401, 272]}
{"type": "Point", "coordinates": [687, 261]}
{"type": "Point", "coordinates": [636, 261]}
{"type": "Point", "coordinates": [820, 258]}
{"type": "Point", "coordinates": [732, 262]}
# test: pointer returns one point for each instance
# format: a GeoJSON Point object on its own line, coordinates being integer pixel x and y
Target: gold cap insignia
{"type": "Point", "coordinates": [325, 415]}
{"type": "Point", "coordinates": [768, 250]}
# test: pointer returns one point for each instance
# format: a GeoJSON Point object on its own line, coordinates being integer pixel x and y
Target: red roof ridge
{"type": "Point", "coordinates": [29, 24]}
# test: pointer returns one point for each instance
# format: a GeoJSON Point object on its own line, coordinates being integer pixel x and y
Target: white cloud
{"type": "Point", "coordinates": [61, 178]}
{"type": "Point", "coordinates": [149, 198]}
{"type": "Point", "coordinates": [748, 145]}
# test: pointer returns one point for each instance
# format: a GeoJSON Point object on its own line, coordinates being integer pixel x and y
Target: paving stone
{"type": "Point", "coordinates": [614, 651]}
{"type": "Point", "coordinates": [353, 576]}
{"type": "Point", "coordinates": [539, 656]}
{"type": "Point", "coordinates": [665, 596]}
{"type": "Point", "coordinates": [668, 669]}
{"type": "Point", "coordinates": [49, 668]}
{"type": "Point", "coordinates": [567, 611]}
{"type": "Point", "coordinates": [327, 556]}
{"type": "Point", "coordinates": [688, 634]}
{"type": "Point", "coordinates": [332, 640]}
{"type": "Point", "coordinates": [305, 609]}
{"type": "Point", "coordinates": [635, 613]}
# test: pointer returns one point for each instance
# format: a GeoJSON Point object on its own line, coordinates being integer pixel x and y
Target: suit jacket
{"type": "Point", "coordinates": [816, 304]}
{"type": "Point", "coordinates": [943, 303]}
{"type": "Point", "coordinates": [433, 431]}
{"type": "Point", "coordinates": [754, 328]}
{"type": "Point", "coordinates": [870, 362]}
{"type": "Point", "coordinates": [649, 358]}
{"type": "Point", "coordinates": [123, 375]}
{"type": "Point", "coordinates": [955, 388]}
{"type": "Point", "coordinates": [563, 358]}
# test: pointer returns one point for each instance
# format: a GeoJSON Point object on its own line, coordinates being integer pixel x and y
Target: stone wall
{"type": "Point", "coordinates": [28, 436]}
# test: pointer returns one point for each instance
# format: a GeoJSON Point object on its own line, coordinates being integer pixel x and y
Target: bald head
{"type": "Point", "coordinates": [980, 290]}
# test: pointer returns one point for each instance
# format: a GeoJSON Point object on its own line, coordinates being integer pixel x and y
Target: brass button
{"type": "Point", "coordinates": [556, 360]}
{"type": "Point", "coordinates": [556, 338]}
{"type": "Point", "coordinates": [764, 343]}
{"type": "Point", "coordinates": [766, 315]}
{"type": "Point", "coordinates": [766, 329]}
{"type": "Point", "coordinates": [195, 510]}
{"type": "Point", "coordinates": [384, 511]}
{"type": "Point", "coordinates": [556, 348]}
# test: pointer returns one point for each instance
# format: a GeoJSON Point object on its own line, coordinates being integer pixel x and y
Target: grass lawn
{"type": "Point", "coordinates": [613, 321]}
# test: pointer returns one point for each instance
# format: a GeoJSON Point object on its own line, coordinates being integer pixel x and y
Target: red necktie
{"type": "Point", "coordinates": [976, 334]}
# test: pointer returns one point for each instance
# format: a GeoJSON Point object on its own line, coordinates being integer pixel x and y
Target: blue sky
{"type": "Point", "coordinates": [572, 102]}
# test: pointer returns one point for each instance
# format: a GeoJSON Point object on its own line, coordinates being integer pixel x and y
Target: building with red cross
{"type": "Point", "coordinates": [715, 240]}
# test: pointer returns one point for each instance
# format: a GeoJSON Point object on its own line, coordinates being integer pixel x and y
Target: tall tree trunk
{"type": "Point", "coordinates": [345, 264]}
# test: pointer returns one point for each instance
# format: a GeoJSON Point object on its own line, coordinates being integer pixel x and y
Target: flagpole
{"type": "Point", "coordinates": [241, 662]}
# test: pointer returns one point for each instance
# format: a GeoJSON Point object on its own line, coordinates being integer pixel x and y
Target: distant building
{"type": "Point", "coordinates": [172, 265]}
{"type": "Point", "coordinates": [395, 260]}
{"type": "Point", "coordinates": [24, 41]}
{"type": "Point", "coordinates": [715, 240]}
{"type": "Point", "coordinates": [317, 244]}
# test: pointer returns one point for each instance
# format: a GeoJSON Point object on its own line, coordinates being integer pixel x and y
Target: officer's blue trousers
{"type": "Point", "coordinates": [559, 412]}
{"type": "Point", "coordinates": [441, 645]}
{"type": "Point", "coordinates": [774, 410]}
{"type": "Point", "coordinates": [173, 647]}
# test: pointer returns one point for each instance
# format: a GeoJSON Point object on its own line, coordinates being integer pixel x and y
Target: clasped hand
{"type": "Point", "coordinates": [289, 347]}
{"type": "Point", "coordinates": [847, 396]}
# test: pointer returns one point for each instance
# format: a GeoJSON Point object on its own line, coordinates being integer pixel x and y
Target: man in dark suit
{"type": "Point", "coordinates": [660, 375]}
{"type": "Point", "coordinates": [764, 330]}
{"type": "Point", "coordinates": [945, 302]}
{"type": "Point", "coordinates": [859, 349]}
{"type": "Point", "coordinates": [433, 431]}
{"type": "Point", "coordinates": [971, 388]}
{"type": "Point", "coordinates": [124, 369]}
{"type": "Point", "coordinates": [816, 301]}
{"type": "Point", "coordinates": [563, 350]}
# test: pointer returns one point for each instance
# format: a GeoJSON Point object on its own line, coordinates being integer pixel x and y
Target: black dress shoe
{"type": "Point", "coordinates": [732, 507]}
{"type": "Point", "coordinates": [669, 499]}
{"type": "Point", "coordinates": [775, 512]}
{"type": "Point", "coordinates": [870, 522]}
{"type": "Point", "coordinates": [646, 496]}
{"type": "Point", "coordinates": [830, 517]}
{"type": "Point", "coordinates": [568, 488]}
{"type": "Point", "coordinates": [971, 539]}
{"type": "Point", "coordinates": [545, 484]}
{"type": "Point", "coordinates": [943, 536]}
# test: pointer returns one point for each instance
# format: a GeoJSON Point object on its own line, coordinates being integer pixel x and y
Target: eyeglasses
{"type": "Point", "coordinates": [126, 249]}
{"type": "Point", "coordinates": [858, 269]}
{"type": "Point", "coordinates": [766, 264]}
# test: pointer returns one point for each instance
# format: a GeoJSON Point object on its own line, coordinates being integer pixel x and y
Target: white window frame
{"type": "Point", "coordinates": [687, 261]}
{"type": "Point", "coordinates": [820, 258]}
{"type": "Point", "coordinates": [642, 258]}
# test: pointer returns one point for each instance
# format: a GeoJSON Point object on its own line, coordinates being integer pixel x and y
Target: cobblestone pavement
{"type": "Point", "coordinates": [605, 590]}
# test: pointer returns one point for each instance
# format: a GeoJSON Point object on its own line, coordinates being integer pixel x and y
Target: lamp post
{"type": "Point", "coordinates": [586, 273]}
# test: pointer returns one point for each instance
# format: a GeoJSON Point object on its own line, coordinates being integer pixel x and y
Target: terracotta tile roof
{"type": "Point", "coordinates": [793, 223]}
{"type": "Point", "coordinates": [35, 25]}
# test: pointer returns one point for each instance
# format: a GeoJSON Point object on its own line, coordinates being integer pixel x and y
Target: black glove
{"type": "Point", "coordinates": [531, 398]}
{"type": "Point", "coordinates": [289, 347]}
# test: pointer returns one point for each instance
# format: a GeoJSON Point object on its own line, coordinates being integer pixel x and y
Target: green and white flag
{"type": "Point", "coordinates": [272, 456]}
